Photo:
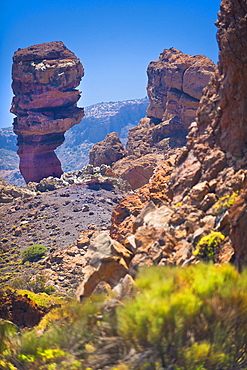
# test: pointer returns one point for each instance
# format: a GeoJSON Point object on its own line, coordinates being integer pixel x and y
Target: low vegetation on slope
{"type": "Point", "coordinates": [178, 318]}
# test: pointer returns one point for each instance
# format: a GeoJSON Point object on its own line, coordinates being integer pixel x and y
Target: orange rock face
{"type": "Point", "coordinates": [125, 213]}
{"type": "Point", "coordinates": [44, 80]}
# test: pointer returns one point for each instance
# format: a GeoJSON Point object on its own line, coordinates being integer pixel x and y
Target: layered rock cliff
{"type": "Point", "coordinates": [44, 80]}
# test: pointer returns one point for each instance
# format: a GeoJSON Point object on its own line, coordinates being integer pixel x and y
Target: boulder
{"type": "Point", "coordinates": [107, 260]}
{"type": "Point", "coordinates": [137, 171]}
{"type": "Point", "coordinates": [107, 151]}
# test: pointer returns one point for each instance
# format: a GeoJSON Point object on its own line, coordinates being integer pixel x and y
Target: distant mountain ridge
{"type": "Point", "coordinates": [100, 119]}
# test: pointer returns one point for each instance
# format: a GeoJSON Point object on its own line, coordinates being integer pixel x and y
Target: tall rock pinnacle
{"type": "Point", "coordinates": [44, 80]}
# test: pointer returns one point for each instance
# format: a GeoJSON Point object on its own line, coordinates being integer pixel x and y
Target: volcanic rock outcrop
{"type": "Point", "coordinates": [208, 173]}
{"type": "Point", "coordinates": [218, 137]}
{"type": "Point", "coordinates": [175, 84]}
{"type": "Point", "coordinates": [226, 99]}
{"type": "Point", "coordinates": [44, 80]}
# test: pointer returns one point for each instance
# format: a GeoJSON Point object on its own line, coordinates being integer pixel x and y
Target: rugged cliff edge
{"type": "Point", "coordinates": [44, 81]}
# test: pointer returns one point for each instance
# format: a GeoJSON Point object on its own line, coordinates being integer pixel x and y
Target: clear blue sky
{"type": "Point", "coordinates": [114, 39]}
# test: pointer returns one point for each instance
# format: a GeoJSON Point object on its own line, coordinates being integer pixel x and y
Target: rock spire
{"type": "Point", "coordinates": [45, 102]}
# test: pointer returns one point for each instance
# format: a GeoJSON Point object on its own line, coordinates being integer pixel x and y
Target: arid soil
{"type": "Point", "coordinates": [54, 219]}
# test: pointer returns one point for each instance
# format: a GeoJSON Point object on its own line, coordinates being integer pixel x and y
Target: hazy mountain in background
{"type": "Point", "coordinates": [100, 119]}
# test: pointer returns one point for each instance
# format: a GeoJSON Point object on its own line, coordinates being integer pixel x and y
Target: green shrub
{"type": "Point", "coordinates": [50, 359]}
{"type": "Point", "coordinates": [9, 344]}
{"type": "Point", "coordinates": [36, 284]}
{"type": "Point", "coordinates": [8, 331]}
{"type": "Point", "coordinates": [208, 245]}
{"type": "Point", "coordinates": [65, 331]}
{"type": "Point", "coordinates": [42, 299]}
{"type": "Point", "coordinates": [33, 253]}
{"type": "Point", "coordinates": [195, 317]}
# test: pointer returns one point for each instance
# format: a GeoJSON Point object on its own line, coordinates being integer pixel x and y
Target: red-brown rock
{"type": "Point", "coordinates": [44, 80]}
{"type": "Point", "coordinates": [107, 151]}
{"type": "Point", "coordinates": [175, 84]}
{"type": "Point", "coordinates": [238, 231]}
{"type": "Point", "coordinates": [137, 171]}
{"type": "Point", "coordinates": [20, 310]}
{"type": "Point", "coordinates": [225, 102]}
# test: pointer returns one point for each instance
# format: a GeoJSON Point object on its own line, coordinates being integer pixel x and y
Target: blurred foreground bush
{"type": "Point", "coordinates": [192, 318]}
{"type": "Point", "coordinates": [195, 317]}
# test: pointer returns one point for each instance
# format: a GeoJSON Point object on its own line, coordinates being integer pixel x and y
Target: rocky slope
{"type": "Point", "coordinates": [61, 214]}
{"type": "Point", "coordinates": [191, 209]}
{"type": "Point", "coordinates": [44, 80]}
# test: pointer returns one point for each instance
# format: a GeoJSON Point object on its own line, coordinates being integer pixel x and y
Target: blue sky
{"type": "Point", "coordinates": [115, 40]}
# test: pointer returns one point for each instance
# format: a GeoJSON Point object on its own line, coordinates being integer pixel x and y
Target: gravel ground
{"type": "Point", "coordinates": [54, 218]}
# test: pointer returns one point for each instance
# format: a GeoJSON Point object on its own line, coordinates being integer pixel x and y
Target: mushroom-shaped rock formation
{"type": "Point", "coordinates": [44, 80]}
